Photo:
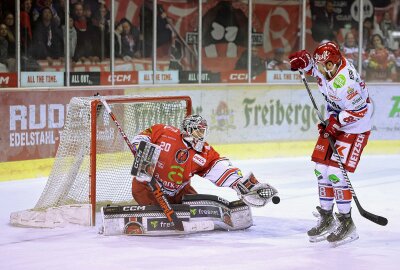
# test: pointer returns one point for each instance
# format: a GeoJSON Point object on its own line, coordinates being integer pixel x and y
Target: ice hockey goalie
{"type": "Point", "coordinates": [170, 156]}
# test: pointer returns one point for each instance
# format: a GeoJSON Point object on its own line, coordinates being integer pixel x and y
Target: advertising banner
{"type": "Point", "coordinates": [84, 78]}
{"type": "Point", "coordinates": [42, 79]}
{"type": "Point", "coordinates": [162, 77]}
{"type": "Point", "coordinates": [8, 80]}
{"type": "Point", "coordinates": [32, 120]}
{"type": "Point", "coordinates": [120, 78]}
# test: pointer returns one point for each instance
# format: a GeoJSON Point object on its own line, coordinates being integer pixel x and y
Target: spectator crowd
{"type": "Point", "coordinates": [42, 28]}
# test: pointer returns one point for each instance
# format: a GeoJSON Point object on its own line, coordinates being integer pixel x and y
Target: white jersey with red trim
{"type": "Point", "coordinates": [347, 97]}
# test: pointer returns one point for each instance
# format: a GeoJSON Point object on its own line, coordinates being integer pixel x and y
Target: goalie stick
{"type": "Point", "coordinates": [153, 184]}
{"type": "Point", "coordinates": [372, 217]}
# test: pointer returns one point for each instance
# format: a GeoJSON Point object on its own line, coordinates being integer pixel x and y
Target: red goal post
{"type": "Point", "coordinates": [92, 165]}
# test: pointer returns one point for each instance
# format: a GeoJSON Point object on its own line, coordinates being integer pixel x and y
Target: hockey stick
{"type": "Point", "coordinates": [372, 217]}
{"type": "Point", "coordinates": [153, 184]}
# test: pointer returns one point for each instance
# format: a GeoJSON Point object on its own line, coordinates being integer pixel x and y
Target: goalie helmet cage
{"type": "Point", "coordinates": [93, 162]}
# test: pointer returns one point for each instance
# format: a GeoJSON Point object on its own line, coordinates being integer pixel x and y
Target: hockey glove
{"type": "Point", "coordinates": [333, 127]}
{"type": "Point", "coordinates": [301, 60]}
{"type": "Point", "coordinates": [254, 193]}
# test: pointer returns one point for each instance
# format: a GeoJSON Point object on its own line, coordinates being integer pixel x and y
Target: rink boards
{"type": "Point", "coordinates": [245, 121]}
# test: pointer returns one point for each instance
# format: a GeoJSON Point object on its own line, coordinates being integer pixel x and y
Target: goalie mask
{"type": "Point", "coordinates": [194, 130]}
{"type": "Point", "coordinates": [328, 58]}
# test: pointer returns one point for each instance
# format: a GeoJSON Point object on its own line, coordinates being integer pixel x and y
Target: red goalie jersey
{"type": "Point", "coordinates": [178, 162]}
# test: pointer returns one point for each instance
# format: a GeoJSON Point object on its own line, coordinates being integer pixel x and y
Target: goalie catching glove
{"type": "Point", "coordinates": [254, 193]}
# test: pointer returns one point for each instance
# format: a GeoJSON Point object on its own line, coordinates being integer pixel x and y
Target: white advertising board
{"type": "Point", "coordinates": [239, 114]}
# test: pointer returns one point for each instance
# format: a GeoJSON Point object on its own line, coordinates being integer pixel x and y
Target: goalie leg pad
{"type": "Point", "coordinates": [226, 215]}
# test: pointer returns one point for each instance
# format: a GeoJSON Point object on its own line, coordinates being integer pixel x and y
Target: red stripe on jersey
{"type": "Point", "coordinates": [358, 114]}
{"type": "Point", "coordinates": [225, 176]}
{"type": "Point", "coordinates": [213, 165]}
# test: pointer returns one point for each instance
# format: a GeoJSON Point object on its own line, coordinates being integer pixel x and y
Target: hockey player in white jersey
{"type": "Point", "coordinates": [348, 123]}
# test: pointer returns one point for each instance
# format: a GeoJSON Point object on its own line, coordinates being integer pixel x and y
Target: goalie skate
{"type": "Point", "coordinates": [326, 224]}
{"type": "Point", "coordinates": [344, 233]}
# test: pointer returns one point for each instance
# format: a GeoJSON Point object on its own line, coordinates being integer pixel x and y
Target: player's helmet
{"type": "Point", "coordinates": [327, 52]}
{"type": "Point", "coordinates": [194, 130]}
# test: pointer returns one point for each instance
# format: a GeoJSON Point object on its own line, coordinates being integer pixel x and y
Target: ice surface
{"type": "Point", "coordinates": [277, 241]}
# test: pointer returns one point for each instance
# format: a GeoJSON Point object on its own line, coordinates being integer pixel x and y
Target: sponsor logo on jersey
{"type": "Point", "coordinates": [343, 151]}
{"type": "Point", "coordinates": [333, 104]}
{"type": "Point", "coordinates": [199, 160]}
{"type": "Point", "coordinates": [351, 93]}
{"type": "Point", "coordinates": [351, 74]}
{"type": "Point", "coordinates": [320, 147]}
{"type": "Point", "coordinates": [354, 102]}
{"type": "Point", "coordinates": [339, 81]}
{"type": "Point", "coordinates": [356, 152]}
{"type": "Point", "coordinates": [182, 156]}
{"type": "Point", "coordinates": [335, 98]}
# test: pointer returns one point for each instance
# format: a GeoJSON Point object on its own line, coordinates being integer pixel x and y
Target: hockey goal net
{"type": "Point", "coordinates": [93, 162]}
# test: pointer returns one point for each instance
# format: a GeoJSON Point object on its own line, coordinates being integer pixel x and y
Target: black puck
{"type": "Point", "coordinates": [276, 199]}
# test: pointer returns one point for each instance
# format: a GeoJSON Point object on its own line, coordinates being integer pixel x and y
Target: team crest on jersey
{"type": "Point", "coordinates": [199, 160]}
{"type": "Point", "coordinates": [182, 156]}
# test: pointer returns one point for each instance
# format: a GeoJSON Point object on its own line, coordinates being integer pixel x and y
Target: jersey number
{"type": "Point", "coordinates": [165, 146]}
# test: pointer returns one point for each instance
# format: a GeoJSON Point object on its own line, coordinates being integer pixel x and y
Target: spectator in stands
{"type": "Point", "coordinates": [59, 6]}
{"type": "Point", "coordinates": [7, 63]}
{"type": "Point", "coordinates": [257, 62]}
{"type": "Point", "coordinates": [381, 65]}
{"type": "Point", "coordinates": [85, 39]}
{"type": "Point", "coordinates": [324, 24]}
{"type": "Point", "coordinates": [350, 49]}
{"type": "Point", "coordinates": [47, 41]}
{"type": "Point", "coordinates": [38, 8]}
{"type": "Point", "coordinates": [101, 20]}
{"type": "Point", "coordinates": [118, 40]}
{"type": "Point", "coordinates": [278, 61]}
{"type": "Point", "coordinates": [26, 27]}
{"type": "Point", "coordinates": [130, 45]}
{"type": "Point", "coordinates": [72, 37]}
{"type": "Point", "coordinates": [387, 24]}
{"type": "Point", "coordinates": [10, 23]}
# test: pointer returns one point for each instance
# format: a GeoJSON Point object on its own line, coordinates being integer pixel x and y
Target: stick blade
{"type": "Point", "coordinates": [374, 218]}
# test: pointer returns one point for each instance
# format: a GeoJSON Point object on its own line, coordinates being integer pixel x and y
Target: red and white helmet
{"type": "Point", "coordinates": [327, 52]}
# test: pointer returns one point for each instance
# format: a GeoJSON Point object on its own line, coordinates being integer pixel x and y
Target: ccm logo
{"type": "Point", "coordinates": [238, 77]}
{"type": "Point", "coordinates": [4, 80]}
{"type": "Point", "coordinates": [133, 208]}
{"type": "Point", "coordinates": [120, 78]}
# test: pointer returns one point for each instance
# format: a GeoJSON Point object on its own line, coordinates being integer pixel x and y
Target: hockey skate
{"type": "Point", "coordinates": [345, 232]}
{"type": "Point", "coordinates": [326, 224]}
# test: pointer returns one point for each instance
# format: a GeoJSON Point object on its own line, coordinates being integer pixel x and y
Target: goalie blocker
{"type": "Point", "coordinates": [198, 213]}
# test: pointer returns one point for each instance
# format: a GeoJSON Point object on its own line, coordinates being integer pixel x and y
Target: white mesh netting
{"type": "Point", "coordinates": [69, 181]}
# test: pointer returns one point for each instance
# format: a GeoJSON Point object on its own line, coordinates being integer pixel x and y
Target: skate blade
{"type": "Point", "coordinates": [350, 238]}
{"type": "Point", "coordinates": [316, 239]}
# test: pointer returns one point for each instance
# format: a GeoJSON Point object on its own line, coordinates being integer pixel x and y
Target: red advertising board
{"type": "Point", "coordinates": [8, 80]}
{"type": "Point", "coordinates": [120, 78]}
{"type": "Point", "coordinates": [31, 121]}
